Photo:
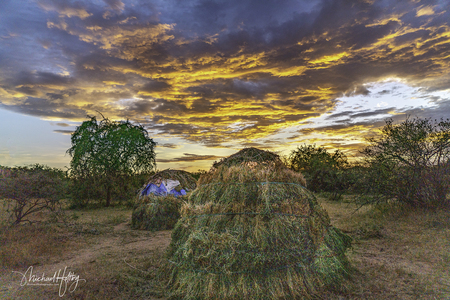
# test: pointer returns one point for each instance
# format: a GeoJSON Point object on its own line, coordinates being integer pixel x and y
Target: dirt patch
{"type": "Point", "coordinates": [123, 240]}
{"type": "Point", "coordinates": [121, 246]}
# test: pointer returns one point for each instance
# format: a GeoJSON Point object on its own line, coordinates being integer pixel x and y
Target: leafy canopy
{"type": "Point", "coordinates": [111, 148]}
{"type": "Point", "coordinates": [309, 158]}
{"type": "Point", "coordinates": [323, 171]}
{"type": "Point", "coordinates": [414, 143]}
{"type": "Point", "coordinates": [107, 151]}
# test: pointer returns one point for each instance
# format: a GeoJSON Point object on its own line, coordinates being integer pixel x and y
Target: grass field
{"type": "Point", "coordinates": [397, 254]}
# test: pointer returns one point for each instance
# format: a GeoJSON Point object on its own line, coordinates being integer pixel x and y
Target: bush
{"type": "Point", "coordinates": [323, 171]}
{"type": "Point", "coordinates": [27, 190]}
{"type": "Point", "coordinates": [89, 190]}
{"type": "Point", "coordinates": [408, 163]}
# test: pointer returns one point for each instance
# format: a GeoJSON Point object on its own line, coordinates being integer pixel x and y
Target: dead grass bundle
{"type": "Point", "coordinates": [156, 212]}
{"type": "Point", "coordinates": [250, 154]}
{"type": "Point", "coordinates": [251, 230]}
{"type": "Point", "coordinates": [152, 212]}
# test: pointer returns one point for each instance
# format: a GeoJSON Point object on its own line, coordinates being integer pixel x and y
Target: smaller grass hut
{"type": "Point", "coordinates": [251, 230]}
{"type": "Point", "coordinates": [158, 202]}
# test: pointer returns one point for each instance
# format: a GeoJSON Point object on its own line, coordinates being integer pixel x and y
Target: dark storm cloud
{"type": "Point", "coordinates": [215, 16]}
{"type": "Point", "coordinates": [341, 114]}
{"type": "Point", "coordinates": [31, 91]}
{"type": "Point", "coordinates": [352, 114]}
{"type": "Point", "coordinates": [384, 92]}
{"type": "Point", "coordinates": [115, 4]}
{"type": "Point", "coordinates": [215, 71]}
{"type": "Point", "coordinates": [154, 86]}
{"type": "Point", "coordinates": [441, 110]}
{"type": "Point", "coordinates": [373, 113]}
{"type": "Point", "coordinates": [42, 78]}
{"type": "Point", "coordinates": [41, 107]}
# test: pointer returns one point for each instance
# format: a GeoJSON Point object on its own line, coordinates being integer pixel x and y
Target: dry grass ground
{"type": "Point", "coordinates": [99, 245]}
{"type": "Point", "coordinates": [397, 255]}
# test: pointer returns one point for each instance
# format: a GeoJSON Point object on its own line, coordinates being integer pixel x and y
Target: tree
{"type": "Point", "coordinates": [27, 190]}
{"type": "Point", "coordinates": [105, 152]}
{"type": "Point", "coordinates": [409, 163]}
{"type": "Point", "coordinates": [323, 171]}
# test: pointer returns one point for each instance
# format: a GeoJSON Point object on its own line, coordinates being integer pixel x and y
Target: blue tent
{"type": "Point", "coordinates": [169, 182]}
{"type": "Point", "coordinates": [161, 190]}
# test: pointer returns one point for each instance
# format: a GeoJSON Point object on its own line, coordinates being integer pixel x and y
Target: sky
{"type": "Point", "coordinates": [208, 78]}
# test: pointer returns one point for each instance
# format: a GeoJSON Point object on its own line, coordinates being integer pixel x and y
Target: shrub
{"type": "Point", "coordinates": [89, 190]}
{"type": "Point", "coordinates": [408, 163]}
{"type": "Point", "coordinates": [27, 190]}
{"type": "Point", "coordinates": [323, 171]}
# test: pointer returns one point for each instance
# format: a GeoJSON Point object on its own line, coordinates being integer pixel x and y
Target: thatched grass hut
{"type": "Point", "coordinates": [158, 202]}
{"type": "Point", "coordinates": [251, 230]}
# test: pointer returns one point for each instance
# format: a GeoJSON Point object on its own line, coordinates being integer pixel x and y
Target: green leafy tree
{"type": "Point", "coordinates": [409, 162]}
{"type": "Point", "coordinates": [105, 153]}
{"type": "Point", "coordinates": [323, 171]}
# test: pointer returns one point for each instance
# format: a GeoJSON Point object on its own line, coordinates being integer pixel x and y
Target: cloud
{"type": "Point", "coordinates": [169, 145]}
{"type": "Point", "coordinates": [66, 132]}
{"type": "Point", "coordinates": [374, 113]}
{"type": "Point", "coordinates": [218, 72]}
{"type": "Point", "coordinates": [42, 79]}
{"type": "Point", "coordinates": [153, 86]}
{"type": "Point", "coordinates": [65, 8]}
{"type": "Point", "coordinates": [116, 5]}
{"type": "Point", "coordinates": [41, 107]}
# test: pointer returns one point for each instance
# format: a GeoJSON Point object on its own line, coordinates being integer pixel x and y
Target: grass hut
{"type": "Point", "coordinates": [158, 202]}
{"type": "Point", "coordinates": [251, 230]}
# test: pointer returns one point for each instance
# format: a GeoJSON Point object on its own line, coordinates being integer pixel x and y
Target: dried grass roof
{"type": "Point", "coordinates": [251, 230]}
{"type": "Point", "coordinates": [248, 155]}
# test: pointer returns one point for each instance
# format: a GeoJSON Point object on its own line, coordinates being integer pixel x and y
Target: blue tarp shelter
{"type": "Point", "coordinates": [161, 190]}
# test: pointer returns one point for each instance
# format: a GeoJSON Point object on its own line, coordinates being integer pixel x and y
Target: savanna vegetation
{"type": "Point", "coordinates": [109, 158]}
{"type": "Point", "coordinates": [394, 203]}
